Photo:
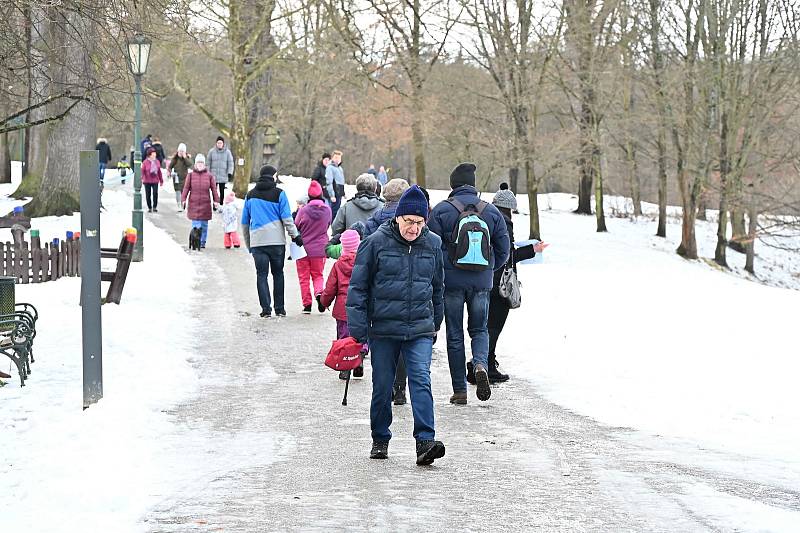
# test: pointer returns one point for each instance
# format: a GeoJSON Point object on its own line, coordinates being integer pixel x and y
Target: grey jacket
{"type": "Point", "coordinates": [359, 209]}
{"type": "Point", "coordinates": [334, 175]}
{"type": "Point", "coordinates": [220, 163]}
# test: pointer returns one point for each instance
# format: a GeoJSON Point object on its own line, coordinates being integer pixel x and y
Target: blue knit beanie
{"type": "Point", "coordinates": [413, 202]}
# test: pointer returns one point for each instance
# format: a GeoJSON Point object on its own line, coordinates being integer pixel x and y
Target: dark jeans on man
{"type": "Point", "coordinates": [266, 258]}
{"type": "Point", "coordinates": [151, 189]}
{"type": "Point", "coordinates": [221, 192]}
{"type": "Point", "coordinates": [498, 313]}
{"type": "Point", "coordinates": [417, 354]}
{"type": "Point", "coordinates": [477, 302]}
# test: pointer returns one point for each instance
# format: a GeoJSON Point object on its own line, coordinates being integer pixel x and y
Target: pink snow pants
{"type": "Point", "coordinates": [310, 267]}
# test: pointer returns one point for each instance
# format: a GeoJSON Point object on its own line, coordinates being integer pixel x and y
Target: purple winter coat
{"type": "Point", "coordinates": [199, 184]}
{"type": "Point", "coordinates": [313, 220]}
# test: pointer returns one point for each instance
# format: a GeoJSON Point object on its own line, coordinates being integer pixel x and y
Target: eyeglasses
{"type": "Point", "coordinates": [417, 223]}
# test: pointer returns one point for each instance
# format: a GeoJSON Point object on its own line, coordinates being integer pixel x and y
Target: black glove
{"type": "Point", "coordinates": [230, 177]}
{"type": "Point", "coordinates": [298, 240]}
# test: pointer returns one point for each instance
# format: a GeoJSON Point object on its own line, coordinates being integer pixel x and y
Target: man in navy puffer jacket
{"type": "Point", "coordinates": [395, 302]}
{"type": "Point", "coordinates": [468, 287]}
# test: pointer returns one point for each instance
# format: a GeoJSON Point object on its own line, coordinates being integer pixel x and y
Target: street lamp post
{"type": "Point", "coordinates": [138, 56]}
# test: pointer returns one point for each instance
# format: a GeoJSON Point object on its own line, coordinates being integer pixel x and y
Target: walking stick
{"type": "Point", "coordinates": [346, 385]}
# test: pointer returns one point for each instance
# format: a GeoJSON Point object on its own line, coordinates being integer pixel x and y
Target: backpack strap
{"type": "Point", "coordinates": [458, 204]}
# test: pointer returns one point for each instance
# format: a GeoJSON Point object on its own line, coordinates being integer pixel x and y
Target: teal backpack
{"type": "Point", "coordinates": [470, 244]}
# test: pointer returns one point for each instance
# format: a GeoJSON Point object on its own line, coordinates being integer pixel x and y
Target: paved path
{"type": "Point", "coordinates": [514, 463]}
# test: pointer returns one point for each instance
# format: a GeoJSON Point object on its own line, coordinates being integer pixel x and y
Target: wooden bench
{"type": "Point", "coordinates": [123, 254]}
{"type": "Point", "coordinates": [17, 332]}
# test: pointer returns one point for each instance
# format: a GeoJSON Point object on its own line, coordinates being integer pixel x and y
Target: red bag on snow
{"type": "Point", "coordinates": [345, 354]}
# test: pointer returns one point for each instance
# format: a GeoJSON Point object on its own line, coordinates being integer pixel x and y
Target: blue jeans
{"type": "Point", "coordinates": [266, 258]}
{"type": "Point", "coordinates": [102, 173]}
{"type": "Point", "coordinates": [417, 355]}
{"type": "Point", "coordinates": [477, 301]}
{"type": "Point", "coordinates": [203, 225]}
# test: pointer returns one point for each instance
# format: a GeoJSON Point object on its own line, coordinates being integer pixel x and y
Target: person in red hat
{"type": "Point", "coordinates": [313, 220]}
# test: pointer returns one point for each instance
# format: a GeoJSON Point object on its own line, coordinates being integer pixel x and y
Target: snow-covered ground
{"type": "Point", "coordinates": [614, 326]}
{"type": "Point", "coordinates": [100, 469]}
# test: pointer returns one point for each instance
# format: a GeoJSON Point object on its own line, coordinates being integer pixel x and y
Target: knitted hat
{"type": "Point", "coordinates": [505, 198]}
{"type": "Point", "coordinates": [315, 190]}
{"type": "Point", "coordinates": [267, 172]}
{"type": "Point", "coordinates": [463, 174]}
{"type": "Point", "coordinates": [366, 183]}
{"type": "Point", "coordinates": [412, 202]}
{"type": "Point", "coordinates": [350, 240]}
{"type": "Point", "coordinates": [393, 190]}
{"type": "Point", "coordinates": [182, 147]}
{"type": "Point", "coordinates": [199, 158]}
{"type": "Point", "coordinates": [220, 138]}
{"type": "Point", "coordinates": [503, 186]}
{"type": "Point", "coordinates": [230, 197]}
{"type": "Point", "coordinates": [150, 150]}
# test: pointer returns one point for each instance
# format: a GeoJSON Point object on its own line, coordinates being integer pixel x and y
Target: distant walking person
{"type": "Point", "coordinates": [318, 175]}
{"type": "Point", "coordinates": [145, 143]}
{"type": "Point", "coordinates": [395, 302]}
{"type": "Point", "coordinates": [159, 151]}
{"type": "Point", "coordinates": [265, 217]}
{"type": "Point", "coordinates": [220, 163]}
{"type": "Point", "coordinates": [383, 177]}
{"type": "Point", "coordinates": [198, 192]}
{"type": "Point", "coordinates": [104, 156]}
{"type": "Point", "coordinates": [230, 221]}
{"type": "Point", "coordinates": [151, 179]}
{"type": "Point", "coordinates": [313, 220]}
{"type": "Point", "coordinates": [334, 176]}
{"type": "Point", "coordinates": [178, 167]}
{"type": "Point", "coordinates": [475, 243]}
{"type": "Point", "coordinates": [357, 209]}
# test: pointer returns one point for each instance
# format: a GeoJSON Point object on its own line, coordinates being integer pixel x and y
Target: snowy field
{"type": "Point", "coordinates": [101, 469]}
{"type": "Point", "coordinates": [613, 326]}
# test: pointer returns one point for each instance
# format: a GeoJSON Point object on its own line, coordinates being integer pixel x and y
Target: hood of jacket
{"type": "Point", "coordinates": [315, 209]}
{"type": "Point", "coordinates": [366, 202]}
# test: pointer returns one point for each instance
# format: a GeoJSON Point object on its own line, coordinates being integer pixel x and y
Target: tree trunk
{"type": "Point", "coordinates": [73, 70]}
{"type": "Point", "coordinates": [5, 159]}
{"type": "Point", "coordinates": [513, 178]}
{"type": "Point", "coordinates": [38, 90]}
{"type": "Point", "coordinates": [661, 147]}
{"type": "Point", "coordinates": [702, 207]}
{"type": "Point", "coordinates": [739, 233]}
{"type": "Point", "coordinates": [722, 226]}
{"type": "Point", "coordinates": [599, 211]}
{"type": "Point", "coordinates": [418, 138]}
{"type": "Point", "coordinates": [533, 201]}
{"type": "Point", "coordinates": [752, 214]}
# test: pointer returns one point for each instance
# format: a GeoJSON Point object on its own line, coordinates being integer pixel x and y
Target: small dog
{"type": "Point", "coordinates": [194, 239]}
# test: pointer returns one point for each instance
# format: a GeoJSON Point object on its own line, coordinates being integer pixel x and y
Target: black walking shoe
{"type": "Point", "coordinates": [358, 372]}
{"type": "Point", "coordinates": [470, 373]}
{"type": "Point", "coordinates": [265, 314]}
{"type": "Point", "coordinates": [459, 398]}
{"type": "Point", "coordinates": [380, 450]}
{"type": "Point", "coordinates": [307, 310]}
{"type": "Point", "coordinates": [344, 374]}
{"type": "Point", "coordinates": [282, 312]}
{"type": "Point", "coordinates": [320, 307]}
{"type": "Point", "coordinates": [495, 376]}
{"type": "Point", "coordinates": [428, 451]}
{"type": "Point", "coordinates": [399, 396]}
{"type": "Point", "coordinates": [482, 380]}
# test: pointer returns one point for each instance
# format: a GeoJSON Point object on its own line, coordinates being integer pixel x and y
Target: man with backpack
{"type": "Point", "coordinates": [475, 243]}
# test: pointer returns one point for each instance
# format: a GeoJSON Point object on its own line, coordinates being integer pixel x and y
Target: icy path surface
{"type": "Point", "coordinates": [514, 463]}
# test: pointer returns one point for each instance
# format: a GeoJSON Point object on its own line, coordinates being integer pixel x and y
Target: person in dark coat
{"type": "Point", "coordinates": [104, 156]}
{"type": "Point", "coordinates": [180, 163]}
{"type": "Point", "coordinates": [466, 287]}
{"type": "Point", "coordinates": [318, 175]}
{"type": "Point", "coordinates": [395, 301]}
{"type": "Point", "coordinates": [145, 143]}
{"type": "Point", "coordinates": [505, 201]}
{"type": "Point", "coordinates": [159, 148]}
{"type": "Point", "coordinates": [199, 190]}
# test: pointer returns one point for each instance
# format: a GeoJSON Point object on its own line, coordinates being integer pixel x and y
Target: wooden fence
{"type": "Point", "coordinates": [34, 263]}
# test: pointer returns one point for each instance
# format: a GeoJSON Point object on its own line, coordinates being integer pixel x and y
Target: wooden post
{"type": "Point", "coordinates": [25, 263]}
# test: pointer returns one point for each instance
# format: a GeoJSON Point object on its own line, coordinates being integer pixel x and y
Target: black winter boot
{"type": "Point", "coordinates": [428, 451]}
{"type": "Point", "coordinates": [470, 373]}
{"type": "Point", "coordinates": [399, 396]}
{"type": "Point", "coordinates": [495, 376]}
{"type": "Point", "coordinates": [380, 450]}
